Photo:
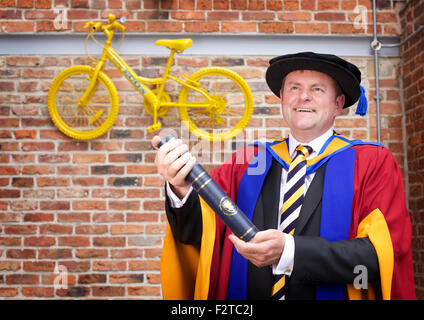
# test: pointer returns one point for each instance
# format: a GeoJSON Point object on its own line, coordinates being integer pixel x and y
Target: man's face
{"type": "Point", "coordinates": [309, 103]}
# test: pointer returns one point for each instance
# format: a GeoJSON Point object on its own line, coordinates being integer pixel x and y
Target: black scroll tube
{"type": "Point", "coordinates": [218, 200]}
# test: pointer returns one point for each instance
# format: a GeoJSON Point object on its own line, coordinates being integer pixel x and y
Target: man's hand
{"type": "Point", "coordinates": [174, 164]}
{"type": "Point", "coordinates": [264, 249]}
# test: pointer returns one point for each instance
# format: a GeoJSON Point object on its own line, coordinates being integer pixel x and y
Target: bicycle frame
{"type": "Point", "coordinates": [140, 82]}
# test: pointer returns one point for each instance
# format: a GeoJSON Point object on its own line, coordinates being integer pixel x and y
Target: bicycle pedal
{"type": "Point", "coordinates": [154, 127]}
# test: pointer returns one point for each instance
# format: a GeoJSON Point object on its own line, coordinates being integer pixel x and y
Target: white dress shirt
{"type": "Point", "coordinates": [285, 265]}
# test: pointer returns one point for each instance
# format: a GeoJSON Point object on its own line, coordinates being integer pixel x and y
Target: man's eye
{"type": "Point", "coordinates": [294, 88]}
{"type": "Point", "coordinates": [318, 89]}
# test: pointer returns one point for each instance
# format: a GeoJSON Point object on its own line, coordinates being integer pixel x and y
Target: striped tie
{"type": "Point", "coordinates": [292, 203]}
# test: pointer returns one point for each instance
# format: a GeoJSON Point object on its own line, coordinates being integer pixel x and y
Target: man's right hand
{"type": "Point", "coordinates": [174, 164]}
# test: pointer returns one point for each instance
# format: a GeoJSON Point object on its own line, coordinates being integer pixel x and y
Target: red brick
{"type": "Point", "coordinates": [109, 265]}
{"type": "Point", "coordinates": [8, 217]}
{"type": "Point", "coordinates": [41, 266]}
{"type": "Point", "coordinates": [55, 229]}
{"type": "Point", "coordinates": [91, 253]}
{"type": "Point", "coordinates": [295, 16]}
{"type": "Point", "coordinates": [233, 27]}
{"type": "Point", "coordinates": [330, 16]}
{"type": "Point", "coordinates": [221, 4]}
{"type": "Point", "coordinates": [126, 253]}
{"type": "Point", "coordinates": [91, 229]}
{"type": "Point", "coordinates": [76, 266]}
{"type": "Point", "coordinates": [54, 254]}
{"type": "Point", "coordinates": [201, 27]}
{"type": "Point", "coordinates": [7, 86]}
{"type": "Point", "coordinates": [187, 15]}
{"type": "Point", "coordinates": [256, 4]}
{"type": "Point", "coordinates": [276, 27]}
{"type": "Point", "coordinates": [89, 205]}
{"type": "Point", "coordinates": [37, 146]}
{"type": "Point", "coordinates": [22, 279]}
{"type": "Point", "coordinates": [328, 4]}
{"type": "Point", "coordinates": [8, 292]}
{"type": "Point", "coordinates": [4, 193]}
{"type": "Point", "coordinates": [38, 291]}
{"type": "Point", "coordinates": [91, 278]}
{"type": "Point", "coordinates": [43, 4]}
{"type": "Point", "coordinates": [39, 241]}
{"type": "Point", "coordinates": [164, 26]}
{"type": "Point", "coordinates": [25, 3]}
{"type": "Point", "coordinates": [9, 265]}
{"type": "Point", "coordinates": [223, 15]}
{"type": "Point", "coordinates": [124, 205]}
{"type": "Point", "coordinates": [144, 291]}
{"type": "Point", "coordinates": [7, 3]}
{"type": "Point", "coordinates": [31, 170]}
{"type": "Point", "coordinates": [126, 278]}
{"type": "Point", "coordinates": [21, 229]}
{"type": "Point", "coordinates": [74, 241]}
{"type": "Point", "coordinates": [127, 229]}
{"type": "Point", "coordinates": [258, 16]}
{"type": "Point", "coordinates": [109, 241]}
{"type": "Point", "coordinates": [308, 4]}
{"type": "Point", "coordinates": [80, 4]}
{"type": "Point", "coordinates": [108, 291]}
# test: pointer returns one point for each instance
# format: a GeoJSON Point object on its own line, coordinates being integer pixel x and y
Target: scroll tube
{"type": "Point", "coordinates": [218, 200]}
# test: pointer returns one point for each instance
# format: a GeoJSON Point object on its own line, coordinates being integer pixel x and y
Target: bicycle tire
{"type": "Point", "coordinates": [66, 83]}
{"type": "Point", "coordinates": [239, 97]}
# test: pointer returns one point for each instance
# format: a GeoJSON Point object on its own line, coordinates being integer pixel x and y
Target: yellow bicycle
{"type": "Point", "coordinates": [214, 103]}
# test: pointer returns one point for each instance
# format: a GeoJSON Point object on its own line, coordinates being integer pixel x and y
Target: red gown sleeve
{"type": "Point", "coordinates": [379, 185]}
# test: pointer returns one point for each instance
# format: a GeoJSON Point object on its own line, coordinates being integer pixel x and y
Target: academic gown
{"type": "Point", "coordinates": [200, 262]}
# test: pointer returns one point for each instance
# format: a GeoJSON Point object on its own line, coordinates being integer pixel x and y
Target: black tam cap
{"type": "Point", "coordinates": [346, 74]}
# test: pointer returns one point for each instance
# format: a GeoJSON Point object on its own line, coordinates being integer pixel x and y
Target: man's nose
{"type": "Point", "coordinates": [305, 95]}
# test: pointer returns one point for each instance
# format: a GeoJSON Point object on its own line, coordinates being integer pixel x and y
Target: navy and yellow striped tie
{"type": "Point", "coordinates": [292, 203]}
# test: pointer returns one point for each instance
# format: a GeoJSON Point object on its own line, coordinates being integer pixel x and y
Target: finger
{"type": "Point", "coordinates": [173, 171]}
{"type": "Point", "coordinates": [175, 153]}
{"type": "Point", "coordinates": [263, 236]}
{"type": "Point", "coordinates": [167, 147]}
{"type": "Point", "coordinates": [188, 166]}
{"type": "Point", "coordinates": [155, 141]}
{"type": "Point", "coordinates": [244, 248]}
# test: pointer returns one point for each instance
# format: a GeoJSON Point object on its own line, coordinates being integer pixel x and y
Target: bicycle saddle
{"type": "Point", "coordinates": [177, 44]}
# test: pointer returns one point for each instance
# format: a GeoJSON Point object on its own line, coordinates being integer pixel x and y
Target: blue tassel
{"type": "Point", "coordinates": [362, 103]}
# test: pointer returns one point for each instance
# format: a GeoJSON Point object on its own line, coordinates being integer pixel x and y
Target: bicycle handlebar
{"type": "Point", "coordinates": [105, 28]}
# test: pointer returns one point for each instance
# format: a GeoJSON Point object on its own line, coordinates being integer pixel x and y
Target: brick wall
{"type": "Point", "coordinates": [203, 16]}
{"type": "Point", "coordinates": [413, 92]}
{"type": "Point", "coordinates": [95, 208]}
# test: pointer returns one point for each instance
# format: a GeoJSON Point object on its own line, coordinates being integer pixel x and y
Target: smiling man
{"type": "Point", "coordinates": [331, 210]}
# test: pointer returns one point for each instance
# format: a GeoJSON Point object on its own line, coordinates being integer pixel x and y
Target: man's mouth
{"type": "Point", "coordinates": [304, 110]}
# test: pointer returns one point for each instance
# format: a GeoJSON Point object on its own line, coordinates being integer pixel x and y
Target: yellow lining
{"type": "Point", "coordinates": [374, 227]}
{"type": "Point", "coordinates": [185, 269]}
{"type": "Point", "coordinates": [281, 150]}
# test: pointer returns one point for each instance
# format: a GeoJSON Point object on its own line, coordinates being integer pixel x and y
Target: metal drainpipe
{"type": "Point", "coordinates": [376, 46]}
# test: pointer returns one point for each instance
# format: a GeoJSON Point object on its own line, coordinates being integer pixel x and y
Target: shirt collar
{"type": "Point", "coordinates": [315, 144]}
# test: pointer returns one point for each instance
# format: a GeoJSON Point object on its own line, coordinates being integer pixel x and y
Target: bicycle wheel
{"type": "Point", "coordinates": [230, 108]}
{"type": "Point", "coordinates": [88, 121]}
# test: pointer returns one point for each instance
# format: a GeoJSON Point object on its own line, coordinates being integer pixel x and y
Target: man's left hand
{"type": "Point", "coordinates": [264, 249]}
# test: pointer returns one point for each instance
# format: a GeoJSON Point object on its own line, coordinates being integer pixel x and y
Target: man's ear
{"type": "Point", "coordinates": [340, 102]}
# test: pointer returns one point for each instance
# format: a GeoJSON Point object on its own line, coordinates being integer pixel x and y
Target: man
{"type": "Point", "coordinates": [331, 210]}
